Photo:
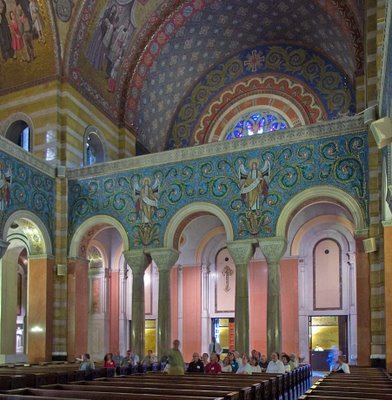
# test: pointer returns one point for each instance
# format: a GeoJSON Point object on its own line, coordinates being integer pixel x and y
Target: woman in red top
{"type": "Point", "coordinates": [108, 361]}
{"type": "Point", "coordinates": [213, 367]}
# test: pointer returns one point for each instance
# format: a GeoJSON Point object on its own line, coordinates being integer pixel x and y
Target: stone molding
{"type": "Point", "coordinates": [333, 128]}
{"type": "Point", "coordinates": [25, 157]}
{"type": "Point", "coordinates": [3, 247]}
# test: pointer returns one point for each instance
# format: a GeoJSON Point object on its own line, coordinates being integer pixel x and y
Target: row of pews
{"type": "Point", "coordinates": [361, 383]}
{"type": "Point", "coordinates": [158, 386]}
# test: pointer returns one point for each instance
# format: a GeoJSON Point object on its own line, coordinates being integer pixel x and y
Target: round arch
{"type": "Point", "coordinates": [316, 193]}
{"type": "Point", "coordinates": [28, 215]}
{"type": "Point", "coordinates": [90, 223]}
{"type": "Point", "coordinates": [194, 208]}
{"type": "Point", "coordinates": [17, 120]}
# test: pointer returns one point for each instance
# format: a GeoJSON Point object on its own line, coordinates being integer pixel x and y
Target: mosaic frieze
{"type": "Point", "coordinates": [251, 187]}
{"type": "Point", "coordinates": [25, 188]}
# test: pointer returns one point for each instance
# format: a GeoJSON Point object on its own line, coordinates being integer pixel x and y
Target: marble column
{"type": "Point", "coordinates": [40, 308]}
{"type": "Point", "coordinates": [273, 250]}
{"type": "Point", "coordinates": [77, 307]}
{"type": "Point", "coordinates": [164, 259]}
{"type": "Point", "coordinates": [138, 262]}
{"type": "Point", "coordinates": [3, 248]}
{"type": "Point", "coordinates": [241, 251]}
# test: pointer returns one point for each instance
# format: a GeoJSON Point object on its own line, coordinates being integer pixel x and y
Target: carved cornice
{"type": "Point", "coordinates": [273, 248]}
{"type": "Point", "coordinates": [333, 128]}
{"type": "Point", "coordinates": [17, 152]}
{"type": "Point", "coordinates": [241, 251]}
{"type": "Point", "coordinates": [164, 258]}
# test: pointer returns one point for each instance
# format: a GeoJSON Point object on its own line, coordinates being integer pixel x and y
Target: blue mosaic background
{"type": "Point", "coordinates": [339, 161]}
{"type": "Point", "coordinates": [30, 190]}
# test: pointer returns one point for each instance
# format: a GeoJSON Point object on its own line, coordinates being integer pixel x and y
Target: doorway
{"type": "Point", "coordinates": [327, 335]}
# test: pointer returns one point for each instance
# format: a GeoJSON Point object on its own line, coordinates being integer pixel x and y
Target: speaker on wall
{"type": "Point", "coordinates": [382, 131]}
{"type": "Point", "coordinates": [61, 270]}
{"type": "Point", "coordinates": [369, 245]}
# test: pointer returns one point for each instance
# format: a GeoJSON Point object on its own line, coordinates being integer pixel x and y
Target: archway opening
{"type": "Point", "coordinates": [19, 133]}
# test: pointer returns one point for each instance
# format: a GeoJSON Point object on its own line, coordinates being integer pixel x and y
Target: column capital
{"type": "Point", "coordinates": [241, 251]}
{"type": "Point", "coordinates": [3, 247]}
{"type": "Point", "coordinates": [273, 248]}
{"type": "Point", "coordinates": [164, 257]}
{"type": "Point", "coordinates": [137, 260]}
{"type": "Point", "coordinates": [361, 233]}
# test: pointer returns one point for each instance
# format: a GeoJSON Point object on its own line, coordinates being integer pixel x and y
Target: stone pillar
{"type": "Point", "coordinates": [164, 259]}
{"type": "Point", "coordinates": [241, 251]}
{"type": "Point", "coordinates": [138, 262]}
{"type": "Point", "coordinates": [363, 296]}
{"type": "Point", "coordinates": [273, 250]}
{"type": "Point", "coordinates": [3, 248]}
{"type": "Point", "coordinates": [387, 292]}
{"type": "Point", "coordinates": [77, 303]}
{"type": "Point", "coordinates": [40, 308]}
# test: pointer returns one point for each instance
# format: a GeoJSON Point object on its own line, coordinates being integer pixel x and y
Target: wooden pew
{"type": "Point", "coordinates": [202, 393]}
{"type": "Point", "coordinates": [96, 395]}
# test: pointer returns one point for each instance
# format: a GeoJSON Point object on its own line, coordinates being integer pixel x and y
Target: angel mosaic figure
{"type": "Point", "coordinates": [254, 183]}
{"type": "Point", "coordinates": [147, 198]}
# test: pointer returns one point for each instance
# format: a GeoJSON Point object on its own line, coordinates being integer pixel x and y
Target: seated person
{"type": "Point", "coordinates": [275, 366]}
{"type": "Point", "coordinates": [286, 362]}
{"type": "Point", "coordinates": [86, 364]}
{"type": "Point", "coordinates": [148, 361]}
{"type": "Point", "coordinates": [213, 367]}
{"type": "Point", "coordinates": [255, 365]}
{"type": "Point", "coordinates": [340, 366]}
{"type": "Point", "coordinates": [196, 365]}
{"type": "Point", "coordinates": [108, 361]}
{"type": "Point", "coordinates": [233, 361]}
{"type": "Point", "coordinates": [245, 367]}
{"type": "Point", "coordinates": [263, 362]}
{"type": "Point", "coordinates": [226, 367]}
{"type": "Point", "coordinates": [204, 358]}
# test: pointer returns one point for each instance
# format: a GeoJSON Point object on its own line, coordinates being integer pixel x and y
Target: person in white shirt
{"type": "Point", "coordinates": [245, 368]}
{"type": "Point", "coordinates": [341, 366]}
{"type": "Point", "coordinates": [286, 362]}
{"type": "Point", "coordinates": [275, 366]}
{"type": "Point", "coordinates": [254, 365]}
{"type": "Point", "coordinates": [226, 367]}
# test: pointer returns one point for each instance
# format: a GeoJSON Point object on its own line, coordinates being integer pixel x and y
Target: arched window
{"type": "Point", "coordinates": [256, 123]}
{"type": "Point", "coordinates": [19, 133]}
{"type": "Point", "coordinates": [93, 148]}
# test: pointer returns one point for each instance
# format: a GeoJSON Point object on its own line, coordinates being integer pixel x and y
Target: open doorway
{"type": "Point", "coordinates": [326, 334]}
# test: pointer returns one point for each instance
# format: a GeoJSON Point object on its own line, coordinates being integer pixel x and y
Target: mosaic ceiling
{"type": "Point", "coordinates": [138, 60]}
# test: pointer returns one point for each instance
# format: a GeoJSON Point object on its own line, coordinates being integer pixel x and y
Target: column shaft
{"type": "Point", "coordinates": [241, 251]}
{"type": "Point", "coordinates": [164, 259]}
{"type": "Point", "coordinates": [138, 262]}
{"type": "Point", "coordinates": [273, 249]}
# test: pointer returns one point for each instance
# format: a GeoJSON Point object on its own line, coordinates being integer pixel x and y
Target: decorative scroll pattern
{"type": "Point", "coordinates": [337, 161]}
{"type": "Point", "coordinates": [30, 190]}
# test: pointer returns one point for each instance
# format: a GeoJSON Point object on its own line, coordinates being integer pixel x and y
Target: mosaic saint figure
{"type": "Point", "coordinates": [37, 20]}
{"type": "Point", "coordinates": [254, 183]}
{"type": "Point", "coordinates": [147, 198]}
{"type": "Point", "coordinates": [5, 187]}
{"type": "Point", "coordinates": [5, 34]}
{"type": "Point", "coordinates": [17, 40]}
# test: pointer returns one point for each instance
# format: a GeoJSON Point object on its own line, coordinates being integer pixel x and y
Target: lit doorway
{"type": "Point", "coordinates": [326, 334]}
{"type": "Point", "coordinates": [224, 332]}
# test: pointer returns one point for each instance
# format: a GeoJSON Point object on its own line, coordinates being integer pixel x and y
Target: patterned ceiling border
{"type": "Point", "coordinates": [259, 87]}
